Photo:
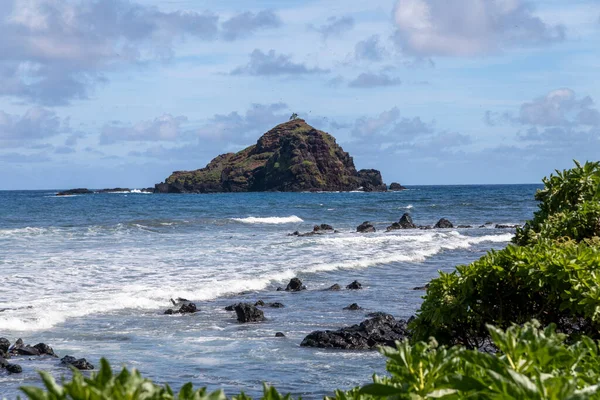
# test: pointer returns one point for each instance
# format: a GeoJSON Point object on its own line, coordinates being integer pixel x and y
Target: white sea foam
{"type": "Point", "coordinates": [269, 220]}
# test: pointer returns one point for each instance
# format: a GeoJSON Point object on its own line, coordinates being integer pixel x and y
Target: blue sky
{"type": "Point", "coordinates": [110, 93]}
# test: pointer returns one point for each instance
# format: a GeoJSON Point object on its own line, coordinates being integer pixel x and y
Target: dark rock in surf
{"type": "Point", "coordinates": [322, 227]}
{"type": "Point", "coordinates": [365, 227]}
{"type": "Point", "coordinates": [443, 224]}
{"type": "Point", "coordinates": [279, 334]}
{"type": "Point", "coordinates": [72, 192]}
{"type": "Point", "coordinates": [421, 287]}
{"type": "Point", "coordinates": [334, 288]}
{"type": "Point", "coordinates": [4, 345]}
{"type": "Point", "coordinates": [353, 307]}
{"type": "Point", "coordinates": [425, 227]}
{"type": "Point", "coordinates": [280, 289]}
{"type": "Point", "coordinates": [382, 330]}
{"type": "Point", "coordinates": [395, 186]}
{"type": "Point", "coordinates": [186, 308]}
{"type": "Point", "coordinates": [405, 222]}
{"type": "Point", "coordinates": [464, 226]}
{"type": "Point", "coordinates": [247, 312]}
{"type": "Point", "coordinates": [275, 305]}
{"type": "Point", "coordinates": [79, 363]}
{"type": "Point", "coordinates": [14, 368]}
{"type": "Point", "coordinates": [354, 286]}
{"type": "Point", "coordinates": [44, 349]}
{"type": "Point", "coordinates": [502, 226]}
{"type": "Point", "coordinates": [295, 285]}
{"type": "Point", "coordinates": [259, 303]}
{"type": "Point", "coordinates": [231, 307]}
{"type": "Point", "coordinates": [371, 180]}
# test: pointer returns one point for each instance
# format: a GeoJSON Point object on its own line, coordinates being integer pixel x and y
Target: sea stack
{"type": "Point", "coordinates": [292, 157]}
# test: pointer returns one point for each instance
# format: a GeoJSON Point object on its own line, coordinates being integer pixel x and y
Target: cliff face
{"type": "Point", "coordinates": [291, 157]}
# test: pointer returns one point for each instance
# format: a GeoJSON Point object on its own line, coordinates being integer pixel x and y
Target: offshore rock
{"type": "Point", "coordinates": [79, 363]}
{"type": "Point", "coordinates": [247, 312]}
{"type": "Point", "coordinates": [355, 285]}
{"type": "Point", "coordinates": [72, 192]}
{"type": "Point", "coordinates": [295, 285]}
{"type": "Point", "coordinates": [443, 224]}
{"type": "Point", "coordinates": [395, 186]}
{"type": "Point", "coordinates": [382, 330]}
{"type": "Point", "coordinates": [334, 288]}
{"type": "Point", "coordinates": [405, 222]}
{"type": "Point", "coordinates": [365, 227]}
{"type": "Point", "coordinates": [353, 307]}
{"type": "Point", "coordinates": [292, 157]}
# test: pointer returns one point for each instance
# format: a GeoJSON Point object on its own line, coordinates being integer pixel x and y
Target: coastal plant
{"type": "Point", "coordinates": [569, 206]}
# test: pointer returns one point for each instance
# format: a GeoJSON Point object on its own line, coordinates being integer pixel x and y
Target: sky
{"type": "Point", "coordinates": [120, 93]}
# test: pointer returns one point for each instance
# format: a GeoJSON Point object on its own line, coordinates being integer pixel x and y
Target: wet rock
{"type": "Point", "coordinates": [365, 227]}
{"type": "Point", "coordinates": [405, 222]}
{"type": "Point", "coordinates": [22, 349]}
{"type": "Point", "coordinates": [382, 330]}
{"type": "Point", "coordinates": [79, 363]}
{"type": "Point", "coordinates": [353, 307]}
{"type": "Point", "coordinates": [43, 348]}
{"type": "Point", "coordinates": [395, 186]}
{"type": "Point", "coordinates": [231, 307]}
{"type": "Point", "coordinates": [425, 227]}
{"type": "Point", "coordinates": [322, 227]}
{"type": "Point", "coordinates": [502, 226]}
{"type": "Point", "coordinates": [4, 344]}
{"type": "Point", "coordinates": [421, 287]}
{"type": "Point", "coordinates": [443, 224]}
{"type": "Point", "coordinates": [246, 312]}
{"type": "Point", "coordinates": [14, 368]}
{"type": "Point", "coordinates": [169, 312]}
{"type": "Point", "coordinates": [295, 285]}
{"type": "Point", "coordinates": [464, 226]}
{"type": "Point", "coordinates": [334, 288]}
{"type": "Point", "coordinates": [280, 289]}
{"type": "Point", "coordinates": [279, 334]}
{"type": "Point", "coordinates": [275, 305]}
{"type": "Point", "coordinates": [259, 303]}
{"type": "Point", "coordinates": [3, 362]}
{"type": "Point", "coordinates": [354, 286]}
{"type": "Point", "coordinates": [186, 308]}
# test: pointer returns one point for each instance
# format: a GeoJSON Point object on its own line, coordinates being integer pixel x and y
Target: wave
{"type": "Point", "coordinates": [269, 220]}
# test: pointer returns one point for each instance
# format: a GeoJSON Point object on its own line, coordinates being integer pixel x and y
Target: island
{"type": "Point", "coordinates": [291, 157]}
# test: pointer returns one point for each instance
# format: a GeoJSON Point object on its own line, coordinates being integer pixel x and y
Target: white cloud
{"type": "Point", "coordinates": [163, 128]}
{"type": "Point", "coordinates": [469, 27]}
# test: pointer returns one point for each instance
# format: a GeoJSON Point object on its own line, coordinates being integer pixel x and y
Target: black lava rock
{"type": "Point", "coordinates": [378, 331]}
{"type": "Point", "coordinates": [14, 368]}
{"type": "Point", "coordinates": [247, 312]}
{"type": "Point", "coordinates": [276, 305]}
{"type": "Point", "coordinates": [365, 227]}
{"type": "Point", "coordinates": [79, 363]}
{"type": "Point", "coordinates": [279, 334]}
{"type": "Point", "coordinates": [43, 348]}
{"type": "Point", "coordinates": [334, 288]}
{"type": "Point", "coordinates": [354, 286]}
{"type": "Point", "coordinates": [295, 285]}
{"type": "Point", "coordinates": [4, 344]}
{"type": "Point", "coordinates": [443, 224]}
{"type": "Point", "coordinates": [353, 307]}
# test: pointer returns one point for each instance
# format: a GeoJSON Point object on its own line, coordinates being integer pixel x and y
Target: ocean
{"type": "Point", "coordinates": [92, 275]}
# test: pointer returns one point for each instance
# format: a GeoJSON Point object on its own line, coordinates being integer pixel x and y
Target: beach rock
{"type": "Point", "coordinates": [79, 363]}
{"type": "Point", "coordinates": [279, 334]}
{"type": "Point", "coordinates": [405, 222]}
{"type": "Point", "coordinates": [502, 226]}
{"type": "Point", "coordinates": [22, 349]}
{"type": "Point", "coordinates": [353, 307]}
{"type": "Point", "coordinates": [443, 224]}
{"type": "Point", "coordinates": [44, 349]}
{"type": "Point", "coordinates": [186, 308]}
{"type": "Point", "coordinates": [275, 305]}
{"type": "Point", "coordinates": [354, 286]}
{"type": "Point", "coordinates": [295, 285]}
{"type": "Point", "coordinates": [291, 157]}
{"type": "Point", "coordinates": [4, 345]}
{"type": "Point", "coordinates": [365, 227]}
{"type": "Point", "coordinates": [334, 288]}
{"type": "Point", "coordinates": [259, 303]}
{"type": "Point", "coordinates": [382, 330]}
{"type": "Point", "coordinates": [395, 186]}
{"type": "Point", "coordinates": [72, 192]}
{"type": "Point", "coordinates": [246, 312]}
{"type": "Point", "coordinates": [421, 287]}
{"type": "Point", "coordinates": [14, 368]}
{"type": "Point", "coordinates": [322, 227]}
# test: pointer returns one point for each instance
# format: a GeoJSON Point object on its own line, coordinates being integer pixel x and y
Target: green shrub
{"type": "Point", "coordinates": [531, 364]}
{"type": "Point", "coordinates": [569, 206]}
{"type": "Point", "coordinates": [552, 282]}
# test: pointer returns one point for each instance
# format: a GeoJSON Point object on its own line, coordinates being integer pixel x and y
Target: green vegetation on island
{"type": "Point", "coordinates": [520, 323]}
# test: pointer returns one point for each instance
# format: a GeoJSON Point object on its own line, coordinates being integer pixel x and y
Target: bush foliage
{"type": "Point", "coordinates": [552, 273]}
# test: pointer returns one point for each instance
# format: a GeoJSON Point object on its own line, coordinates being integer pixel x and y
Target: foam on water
{"type": "Point", "coordinates": [269, 220]}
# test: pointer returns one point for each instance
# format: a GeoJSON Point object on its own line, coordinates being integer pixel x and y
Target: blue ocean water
{"type": "Point", "coordinates": [91, 275]}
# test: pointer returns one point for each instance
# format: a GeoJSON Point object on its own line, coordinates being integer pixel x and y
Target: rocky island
{"type": "Point", "coordinates": [291, 157]}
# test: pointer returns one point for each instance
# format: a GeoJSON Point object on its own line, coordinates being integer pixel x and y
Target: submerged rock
{"type": "Point", "coordinates": [186, 308]}
{"type": "Point", "coordinates": [275, 305]}
{"type": "Point", "coordinates": [355, 285]}
{"type": "Point", "coordinates": [247, 312]}
{"type": "Point", "coordinates": [279, 334]}
{"type": "Point", "coordinates": [443, 224]}
{"type": "Point", "coordinates": [79, 363]}
{"type": "Point", "coordinates": [353, 307]}
{"type": "Point", "coordinates": [381, 330]}
{"type": "Point", "coordinates": [295, 285]}
{"type": "Point", "coordinates": [365, 227]}
{"type": "Point", "coordinates": [421, 287]}
{"type": "Point", "coordinates": [334, 288]}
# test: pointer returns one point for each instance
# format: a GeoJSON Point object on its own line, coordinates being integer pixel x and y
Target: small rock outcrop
{"type": "Point", "coordinates": [295, 285]}
{"type": "Point", "coordinates": [353, 307]}
{"type": "Point", "coordinates": [79, 363]}
{"type": "Point", "coordinates": [381, 330]}
{"type": "Point", "coordinates": [40, 349]}
{"type": "Point", "coordinates": [365, 227]}
{"type": "Point", "coordinates": [355, 285]}
{"type": "Point", "coordinates": [443, 224]}
{"type": "Point", "coordinates": [186, 308]}
{"type": "Point", "coordinates": [503, 226]}
{"type": "Point", "coordinates": [72, 192]}
{"type": "Point", "coordinates": [405, 222]}
{"type": "Point", "coordinates": [291, 157]}
{"type": "Point", "coordinates": [279, 334]}
{"type": "Point", "coordinates": [12, 368]}
{"type": "Point", "coordinates": [395, 186]}
{"type": "Point", "coordinates": [247, 312]}
{"type": "Point", "coordinates": [334, 288]}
